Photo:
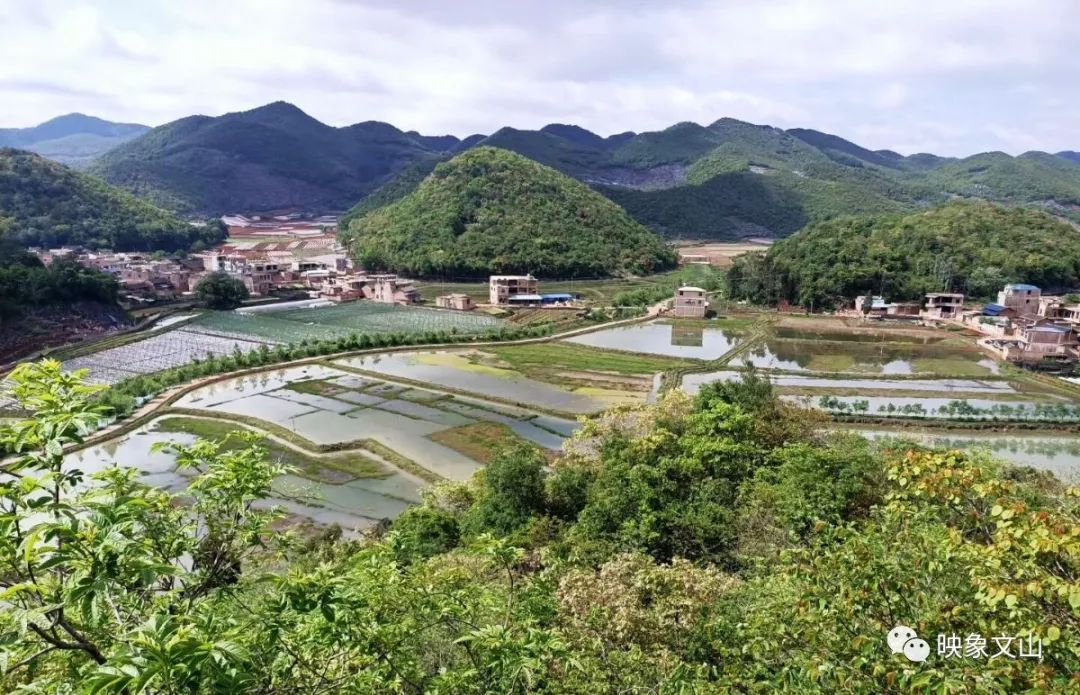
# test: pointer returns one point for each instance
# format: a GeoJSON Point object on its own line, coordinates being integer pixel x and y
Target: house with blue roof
{"type": "Point", "coordinates": [1021, 298]}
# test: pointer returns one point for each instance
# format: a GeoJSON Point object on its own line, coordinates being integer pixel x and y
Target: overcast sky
{"type": "Point", "coordinates": [952, 77]}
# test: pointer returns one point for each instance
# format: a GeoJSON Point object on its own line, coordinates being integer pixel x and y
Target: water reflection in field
{"type": "Point", "coordinates": [354, 504]}
{"type": "Point", "coordinates": [864, 357]}
{"type": "Point", "coordinates": [688, 340]}
{"type": "Point", "coordinates": [1059, 455]}
{"type": "Point", "coordinates": [453, 369]}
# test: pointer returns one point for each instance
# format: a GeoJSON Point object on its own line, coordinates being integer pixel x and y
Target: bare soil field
{"type": "Point", "coordinates": [720, 253]}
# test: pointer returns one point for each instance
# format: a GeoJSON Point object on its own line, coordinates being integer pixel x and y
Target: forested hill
{"type": "Point", "coordinates": [272, 157]}
{"type": "Point", "coordinates": [489, 210]}
{"type": "Point", "coordinates": [965, 246]}
{"type": "Point", "coordinates": [732, 179]}
{"type": "Point", "coordinates": [43, 203]}
{"type": "Point", "coordinates": [726, 179]}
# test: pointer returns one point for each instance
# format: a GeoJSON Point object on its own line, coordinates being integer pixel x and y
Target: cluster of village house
{"type": "Point", "coordinates": [321, 269]}
{"type": "Point", "coordinates": [1021, 326]}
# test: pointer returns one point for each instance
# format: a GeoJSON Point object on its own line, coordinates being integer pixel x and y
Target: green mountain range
{"type": "Point", "coordinates": [270, 158]}
{"type": "Point", "coordinates": [74, 139]}
{"type": "Point", "coordinates": [728, 179]}
{"type": "Point", "coordinates": [43, 203]}
{"type": "Point", "coordinates": [489, 210]}
{"type": "Point", "coordinates": [973, 247]}
{"type": "Point", "coordinates": [733, 179]}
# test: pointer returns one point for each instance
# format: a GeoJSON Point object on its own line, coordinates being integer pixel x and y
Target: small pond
{"type": "Point", "coordinates": [689, 340]}
{"type": "Point", "coordinates": [882, 358]}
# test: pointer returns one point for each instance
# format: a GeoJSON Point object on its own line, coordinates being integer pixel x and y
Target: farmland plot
{"type": "Point", "coordinates": [161, 351]}
{"type": "Point", "coordinates": [292, 325]}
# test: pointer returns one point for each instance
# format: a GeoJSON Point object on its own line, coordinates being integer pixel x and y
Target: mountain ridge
{"type": "Point", "coordinates": [727, 179]}
{"type": "Point", "coordinates": [73, 139]}
{"type": "Point", "coordinates": [271, 157]}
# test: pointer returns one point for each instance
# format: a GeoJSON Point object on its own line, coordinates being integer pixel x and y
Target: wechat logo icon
{"type": "Point", "coordinates": [902, 639]}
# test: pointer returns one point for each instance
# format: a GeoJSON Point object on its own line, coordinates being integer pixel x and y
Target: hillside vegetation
{"type": "Point", "coordinates": [393, 190]}
{"type": "Point", "coordinates": [25, 283]}
{"type": "Point", "coordinates": [269, 158]}
{"type": "Point", "coordinates": [47, 204]}
{"type": "Point", "coordinates": [732, 179]}
{"type": "Point", "coordinates": [719, 545]}
{"type": "Point", "coordinates": [492, 211]}
{"type": "Point", "coordinates": [724, 180]}
{"type": "Point", "coordinates": [965, 246]}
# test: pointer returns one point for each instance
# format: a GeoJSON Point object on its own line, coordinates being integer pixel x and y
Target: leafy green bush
{"type": "Point", "coordinates": [699, 554]}
{"type": "Point", "coordinates": [221, 291]}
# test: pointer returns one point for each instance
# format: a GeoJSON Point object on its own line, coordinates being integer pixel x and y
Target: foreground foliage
{"type": "Point", "coordinates": [712, 545]}
{"type": "Point", "coordinates": [969, 247]}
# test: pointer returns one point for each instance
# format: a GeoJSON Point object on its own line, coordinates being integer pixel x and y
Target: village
{"type": "Point", "coordinates": [1022, 327]}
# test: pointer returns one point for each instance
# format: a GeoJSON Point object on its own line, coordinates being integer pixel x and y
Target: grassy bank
{"type": "Point", "coordinates": [369, 445]}
{"type": "Point", "coordinates": [330, 468]}
{"type": "Point", "coordinates": [480, 441]}
{"type": "Point", "coordinates": [584, 358]}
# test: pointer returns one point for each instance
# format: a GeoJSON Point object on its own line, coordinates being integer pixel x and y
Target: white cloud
{"type": "Point", "coordinates": [956, 77]}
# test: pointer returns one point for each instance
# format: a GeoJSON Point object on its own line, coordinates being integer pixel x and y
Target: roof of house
{"type": "Point", "coordinates": [993, 309]}
{"type": "Point", "coordinates": [525, 297]}
{"type": "Point", "coordinates": [692, 289]}
{"type": "Point", "coordinates": [1021, 286]}
{"type": "Point", "coordinates": [558, 296]}
{"type": "Point", "coordinates": [1048, 329]}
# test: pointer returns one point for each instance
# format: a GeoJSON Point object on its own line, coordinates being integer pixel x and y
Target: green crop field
{"type": "Point", "coordinates": [292, 325]}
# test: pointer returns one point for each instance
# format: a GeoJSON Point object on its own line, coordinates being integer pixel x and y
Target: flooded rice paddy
{"type": "Point", "coordinates": [689, 340]}
{"type": "Point", "coordinates": [461, 370]}
{"type": "Point", "coordinates": [692, 383]}
{"type": "Point", "coordinates": [328, 407]}
{"type": "Point", "coordinates": [864, 357]}
{"type": "Point", "coordinates": [402, 400]}
{"type": "Point", "coordinates": [353, 504]}
{"type": "Point", "coordinates": [352, 408]}
{"type": "Point", "coordinates": [1058, 454]}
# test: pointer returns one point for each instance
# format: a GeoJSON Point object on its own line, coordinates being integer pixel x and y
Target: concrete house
{"type": "Point", "coordinates": [459, 302]}
{"type": "Point", "coordinates": [943, 306]}
{"type": "Point", "coordinates": [691, 302]}
{"type": "Point", "coordinates": [1023, 299]}
{"type": "Point", "coordinates": [390, 289]}
{"type": "Point", "coordinates": [502, 287]}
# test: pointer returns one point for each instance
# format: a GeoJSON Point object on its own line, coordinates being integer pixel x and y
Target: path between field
{"type": "Point", "coordinates": [163, 400]}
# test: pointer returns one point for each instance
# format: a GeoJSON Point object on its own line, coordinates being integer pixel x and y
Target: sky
{"type": "Point", "coordinates": [953, 77]}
